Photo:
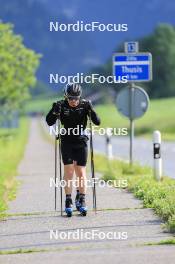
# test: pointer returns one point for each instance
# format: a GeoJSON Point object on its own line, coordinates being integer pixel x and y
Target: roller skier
{"type": "Point", "coordinates": [74, 112]}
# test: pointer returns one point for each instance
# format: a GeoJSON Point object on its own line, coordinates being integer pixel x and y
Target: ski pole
{"type": "Point", "coordinates": [55, 172]}
{"type": "Point", "coordinates": [60, 167]}
{"type": "Point", "coordinates": [56, 167]}
{"type": "Point", "coordinates": [92, 164]}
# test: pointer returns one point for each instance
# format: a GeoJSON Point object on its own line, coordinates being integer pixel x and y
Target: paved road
{"type": "Point", "coordinates": [118, 213]}
{"type": "Point", "coordinates": [143, 151]}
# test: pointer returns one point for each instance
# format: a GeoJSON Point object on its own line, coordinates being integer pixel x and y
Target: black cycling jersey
{"type": "Point", "coordinates": [73, 117]}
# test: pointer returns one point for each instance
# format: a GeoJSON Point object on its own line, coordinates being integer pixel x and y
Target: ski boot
{"type": "Point", "coordinates": [68, 206]}
{"type": "Point", "coordinates": [82, 208]}
{"type": "Point", "coordinates": [77, 201]}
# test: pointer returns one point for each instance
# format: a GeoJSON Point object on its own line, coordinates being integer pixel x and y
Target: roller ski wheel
{"type": "Point", "coordinates": [69, 212]}
{"type": "Point", "coordinates": [83, 211]}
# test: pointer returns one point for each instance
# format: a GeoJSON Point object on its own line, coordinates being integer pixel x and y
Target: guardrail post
{"type": "Point", "coordinates": [109, 152]}
{"type": "Point", "coordinates": [157, 155]}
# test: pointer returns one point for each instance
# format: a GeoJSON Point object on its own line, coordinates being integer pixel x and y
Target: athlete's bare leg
{"type": "Point", "coordinates": [68, 177]}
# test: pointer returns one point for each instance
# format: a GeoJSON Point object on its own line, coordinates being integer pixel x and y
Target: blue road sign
{"type": "Point", "coordinates": [136, 67]}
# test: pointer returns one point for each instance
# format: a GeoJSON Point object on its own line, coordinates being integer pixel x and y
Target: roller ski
{"type": "Point", "coordinates": [68, 206]}
{"type": "Point", "coordinates": [82, 206]}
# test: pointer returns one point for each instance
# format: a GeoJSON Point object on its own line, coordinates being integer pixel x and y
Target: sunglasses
{"type": "Point", "coordinates": [71, 98]}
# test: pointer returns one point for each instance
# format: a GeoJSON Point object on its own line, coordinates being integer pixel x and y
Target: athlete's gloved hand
{"type": "Point", "coordinates": [57, 108]}
{"type": "Point", "coordinates": [89, 106]}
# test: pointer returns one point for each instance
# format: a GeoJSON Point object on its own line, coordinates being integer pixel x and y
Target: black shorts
{"type": "Point", "coordinates": [74, 152]}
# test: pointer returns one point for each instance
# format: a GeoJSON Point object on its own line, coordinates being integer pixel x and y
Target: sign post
{"type": "Point", "coordinates": [131, 123]}
{"type": "Point", "coordinates": [133, 100]}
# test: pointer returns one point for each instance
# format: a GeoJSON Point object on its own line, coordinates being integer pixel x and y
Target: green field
{"type": "Point", "coordinates": [160, 116]}
{"type": "Point", "coordinates": [12, 144]}
{"type": "Point", "coordinates": [39, 105]}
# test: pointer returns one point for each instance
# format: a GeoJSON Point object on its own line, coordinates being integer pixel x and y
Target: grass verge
{"type": "Point", "coordinates": [162, 242]}
{"type": "Point", "coordinates": [39, 250]}
{"type": "Point", "coordinates": [157, 195]}
{"type": "Point", "coordinates": [12, 144]}
{"type": "Point", "coordinates": [21, 251]}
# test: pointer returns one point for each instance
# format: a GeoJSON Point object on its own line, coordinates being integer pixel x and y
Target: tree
{"type": "Point", "coordinates": [162, 46]}
{"type": "Point", "coordinates": [18, 66]}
